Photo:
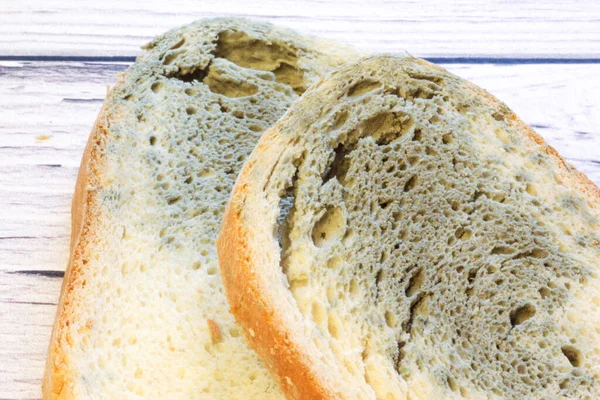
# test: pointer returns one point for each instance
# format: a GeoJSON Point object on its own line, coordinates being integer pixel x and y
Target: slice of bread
{"type": "Point", "coordinates": [401, 234]}
{"type": "Point", "coordinates": [143, 313]}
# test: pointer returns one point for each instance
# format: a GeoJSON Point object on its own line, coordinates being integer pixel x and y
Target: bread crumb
{"type": "Point", "coordinates": [215, 331]}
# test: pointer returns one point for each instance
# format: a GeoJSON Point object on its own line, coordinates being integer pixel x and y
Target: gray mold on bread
{"type": "Point", "coordinates": [401, 234]}
{"type": "Point", "coordinates": [143, 313]}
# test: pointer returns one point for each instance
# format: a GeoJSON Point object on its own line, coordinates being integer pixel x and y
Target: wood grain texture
{"type": "Point", "coordinates": [46, 113]}
{"type": "Point", "coordinates": [528, 28]}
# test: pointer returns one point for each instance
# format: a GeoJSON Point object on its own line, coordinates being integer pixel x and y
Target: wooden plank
{"type": "Point", "coordinates": [46, 112]}
{"type": "Point", "coordinates": [24, 336]}
{"type": "Point", "coordinates": [425, 28]}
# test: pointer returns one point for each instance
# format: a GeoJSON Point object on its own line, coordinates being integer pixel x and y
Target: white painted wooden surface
{"type": "Point", "coordinates": [48, 108]}
{"type": "Point", "coordinates": [516, 28]}
{"type": "Point", "coordinates": [46, 112]}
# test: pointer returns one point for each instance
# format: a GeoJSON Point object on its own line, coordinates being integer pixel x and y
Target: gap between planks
{"type": "Point", "coordinates": [424, 28]}
{"type": "Point", "coordinates": [436, 60]}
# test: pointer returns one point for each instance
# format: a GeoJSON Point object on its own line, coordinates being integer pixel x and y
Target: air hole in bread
{"type": "Point", "coordinates": [502, 135]}
{"type": "Point", "coordinates": [531, 189]}
{"type": "Point", "coordinates": [178, 44]}
{"type": "Point", "coordinates": [213, 270]}
{"type": "Point", "coordinates": [413, 160]}
{"type": "Point", "coordinates": [329, 228]}
{"type": "Point", "coordinates": [415, 283]}
{"type": "Point", "coordinates": [338, 167]}
{"type": "Point", "coordinates": [502, 250]}
{"type": "Point", "coordinates": [386, 127]}
{"type": "Point", "coordinates": [255, 128]}
{"type": "Point", "coordinates": [354, 288]}
{"type": "Point", "coordinates": [331, 295]}
{"type": "Point", "coordinates": [318, 312]}
{"type": "Point", "coordinates": [410, 92]}
{"type": "Point", "coordinates": [463, 108]}
{"type": "Point", "coordinates": [197, 74]}
{"type": "Point", "coordinates": [334, 263]}
{"type": "Point", "coordinates": [498, 116]}
{"type": "Point", "coordinates": [286, 203]}
{"type": "Point", "coordinates": [340, 118]}
{"type": "Point", "coordinates": [535, 253]}
{"type": "Point", "coordinates": [564, 384]}
{"type": "Point", "coordinates": [544, 292]}
{"type": "Point", "coordinates": [573, 355]}
{"type": "Point", "coordinates": [420, 75]}
{"type": "Point", "coordinates": [169, 57]}
{"type": "Point", "coordinates": [363, 87]}
{"type": "Point", "coordinates": [156, 86]}
{"type": "Point", "coordinates": [448, 138]}
{"type": "Point", "coordinates": [238, 114]}
{"type": "Point", "coordinates": [390, 319]}
{"type": "Point", "coordinates": [247, 52]}
{"type": "Point", "coordinates": [334, 325]}
{"type": "Point", "coordinates": [173, 200]}
{"type": "Point", "coordinates": [522, 314]}
{"type": "Point", "coordinates": [384, 204]}
{"type": "Point", "coordinates": [410, 183]}
{"type": "Point", "coordinates": [434, 119]}
{"type": "Point", "coordinates": [452, 384]}
{"type": "Point", "coordinates": [291, 76]}
{"type": "Point", "coordinates": [417, 307]}
{"type": "Point", "coordinates": [298, 283]}
{"type": "Point", "coordinates": [430, 151]}
{"type": "Point", "coordinates": [380, 277]}
{"type": "Point", "coordinates": [417, 135]}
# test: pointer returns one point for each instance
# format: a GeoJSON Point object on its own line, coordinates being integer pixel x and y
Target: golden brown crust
{"type": "Point", "coordinates": [55, 384]}
{"type": "Point", "coordinates": [253, 303]}
{"type": "Point", "coordinates": [247, 300]}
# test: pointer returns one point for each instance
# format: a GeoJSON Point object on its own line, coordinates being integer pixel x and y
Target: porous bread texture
{"type": "Point", "coordinates": [401, 234]}
{"type": "Point", "coordinates": [142, 313]}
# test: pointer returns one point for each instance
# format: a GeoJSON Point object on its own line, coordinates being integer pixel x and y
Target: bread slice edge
{"type": "Point", "coordinates": [55, 381]}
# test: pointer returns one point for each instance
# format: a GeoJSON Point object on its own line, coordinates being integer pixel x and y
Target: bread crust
{"type": "Point", "coordinates": [56, 381]}
{"type": "Point", "coordinates": [255, 304]}
{"type": "Point", "coordinates": [251, 300]}
{"type": "Point", "coordinates": [261, 324]}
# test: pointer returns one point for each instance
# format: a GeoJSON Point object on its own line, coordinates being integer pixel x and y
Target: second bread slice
{"type": "Point", "coordinates": [401, 234]}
